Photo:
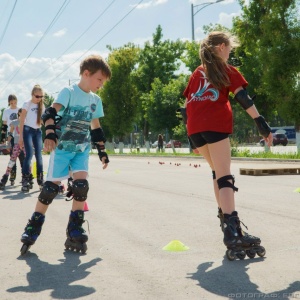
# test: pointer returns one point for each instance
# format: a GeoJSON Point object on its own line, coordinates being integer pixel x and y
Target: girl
{"type": "Point", "coordinates": [209, 123]}
{"type": "Point", "coordinates": [31, 136]}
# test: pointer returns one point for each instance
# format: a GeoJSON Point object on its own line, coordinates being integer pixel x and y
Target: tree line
{"type": "Point", "coordinates": [148, 82]}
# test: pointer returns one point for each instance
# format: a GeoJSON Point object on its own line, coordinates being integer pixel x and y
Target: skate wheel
{"type": "Point", "coordinates": [12, 183]}
{"type": "Point", "coordinates": [261, 252]}
{"type": "Point", "coordinates": [24, 249]}
{"type": "Point", "coordinates": [84, 249]}
{"type": "Point", "coordinates": [250, 253]}
{"type": "Point", "coordinates": [31, 186]}
{"type": "Point", "coordinates": [230, 255]}
{"type": "Point", "coordinates": [241, 255]}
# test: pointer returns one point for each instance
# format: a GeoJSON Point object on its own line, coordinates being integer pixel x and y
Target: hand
{"type": "Point", "coordinates": [104, 159]}
{"type": "Point", "coordinates": [49, 145]}
{"type": "Point", "coordinates": [269, 140]}
{"type": "Point", "coordinates": [21, 143]}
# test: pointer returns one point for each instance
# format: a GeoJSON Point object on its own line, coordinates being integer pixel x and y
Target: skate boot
{"type": "Point", "coordinates": [76, 235]}
{"type": "Point", "coordinates": [40, 180]}
{"type": "Point", "coordinates": [25, 183]}
{"type": "Point", "coordinates": [239, 243]}
{"type": "Point", "coordinates": [32, 231]}
{"type": "Point", "coordinates": [61, 189]}
{"type": "Point", "coordinates": [12, 177]}
{"type": "Point", "coordinates": [30, 181]}
{"type": "Point", "coordinates": [69, 195]}
{"type": "Point", "coordinates": [220, 215]}
{"type": "Point", "coordinates": [3, 182]}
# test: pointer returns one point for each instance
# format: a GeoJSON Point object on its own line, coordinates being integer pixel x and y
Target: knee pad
{"type": "Point", "coordinates": [223, 182]}
{"type": "Point", "coordinates": [80, 189]}
{"type": "Point", "coordinates": [48, 193]}
{"type": "Point", "coordinates": [214, 175]}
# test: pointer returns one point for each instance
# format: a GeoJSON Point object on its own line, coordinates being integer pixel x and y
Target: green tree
{"type": "Point", "coordinates": [158, 59]}
{"type": "Point", "coordinates": [120, 95]}
{"type": "Point", "coordinates": [269, 32]}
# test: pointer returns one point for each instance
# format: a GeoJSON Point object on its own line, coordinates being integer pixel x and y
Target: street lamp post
{"type": "Point", "coordinates": [200, 7]}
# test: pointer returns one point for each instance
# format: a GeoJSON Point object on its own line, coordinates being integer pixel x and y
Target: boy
{"type": "Point", "coordinates": [14, 134]}
{"type": "Point", "coordinates": [77, 108]}
{"type": "Point", "coordinates": [10, 114]}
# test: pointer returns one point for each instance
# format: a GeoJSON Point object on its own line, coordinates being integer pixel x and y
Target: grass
{"type": "Point", "coordinates": [234, 153]}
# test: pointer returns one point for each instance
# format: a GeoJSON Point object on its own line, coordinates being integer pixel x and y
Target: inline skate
{"type": "Point", "coordinates": [61, 189]}
{"type": "Point", "coordinates": [12, 177]}
{"type": "Point", "coordinates": [239, 243]}
{"type": "Point", "coordinates": [25, 183]}
{"type": "Point", "coordinates": [32, 231]}
{"type": "Point", "coordinates": [3, 182]}
{"type": "Point", "coordinates": [76, 235]}
{"type": "Point", "coordinates": [69, 195]}
{"type": "Point", "coordinates": [40, 180]}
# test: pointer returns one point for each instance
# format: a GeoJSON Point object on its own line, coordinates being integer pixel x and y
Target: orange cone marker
{"type": "Point", "coordinates": [85, 208]}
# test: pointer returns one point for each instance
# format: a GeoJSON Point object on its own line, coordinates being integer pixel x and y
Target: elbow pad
{"type": "Point", "coordinates": [243, 99]}
{"type": "Point", "coordinates": [97, 135]}
{"type": "Point", "coordinates": [262, 126]}
{"type": "Point", "coordinates": [50, 113]}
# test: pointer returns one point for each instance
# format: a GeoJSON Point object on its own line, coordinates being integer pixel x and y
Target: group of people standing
{"type": "Point", "coordinates": [21, 128]}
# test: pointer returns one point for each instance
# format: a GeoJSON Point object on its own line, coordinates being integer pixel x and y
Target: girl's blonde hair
{"type": "Point", "coordinates": [37, 88]}
{"type": "Point", "coordinates": [216, 69]}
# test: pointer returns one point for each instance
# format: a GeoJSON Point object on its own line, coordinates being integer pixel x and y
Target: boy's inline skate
{"type": "Point", "coordinates": [3, 182]}
{"type": "Point", "coordinates": [76, 235]}
{"type": "Point", "coordinates": [32, 231]}
{"type": "Point", "coordinates": [26, 183]}
{"type": "Point", "coordinates": [239, 243]}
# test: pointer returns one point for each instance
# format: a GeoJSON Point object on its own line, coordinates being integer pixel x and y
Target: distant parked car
{"type": "Point", "coordinates": [177, 144]}
{"type": "Point", "coordinates": [278, 138]}
{"type": "Point", "coordinates": [154, 145]}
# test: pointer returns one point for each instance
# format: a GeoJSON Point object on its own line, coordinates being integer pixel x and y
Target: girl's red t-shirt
{"type": "Point", "coordinates": [208, 109]}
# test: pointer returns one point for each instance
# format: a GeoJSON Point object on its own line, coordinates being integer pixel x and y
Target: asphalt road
{"type": "Point", "coordinates": [137, 206]}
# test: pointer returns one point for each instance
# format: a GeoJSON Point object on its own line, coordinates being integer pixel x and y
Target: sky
{"type": "Point", "coordinates": [43, 42]}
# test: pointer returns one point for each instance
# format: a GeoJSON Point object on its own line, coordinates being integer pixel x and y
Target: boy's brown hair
{"type": "Point", "coordinates": [93, 64]}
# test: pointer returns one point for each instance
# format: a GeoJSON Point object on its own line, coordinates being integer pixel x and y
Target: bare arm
{"type": "Point", "coordinates": [21, 126]}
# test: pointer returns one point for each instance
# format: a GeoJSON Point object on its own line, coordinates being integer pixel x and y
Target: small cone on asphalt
{"type": "Point", "coordinates": [297, 190]}
{"type": "Point", "coordinates": [85, 208]}
{"type": "Point", "coordinates": [176, 246]}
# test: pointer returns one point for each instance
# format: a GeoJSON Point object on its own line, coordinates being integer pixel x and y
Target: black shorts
{"type": "Point", "coordinates": [206, 137]}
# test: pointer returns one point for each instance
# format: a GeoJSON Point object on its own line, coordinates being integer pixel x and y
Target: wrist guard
{"type": "Point", "coordinates": [181, 114]}
{"type": "Point", "coordinates": [97, 135]}
{"type": "Point", "coordinates": [262, 126]}
{"type": "Point", "coordinates": [244, 99]}
{"type": "Point", "coordinates": [102, 153]}
{"type": "Point", "coordinates": [51, 136]}
{"type": "Point", "coordinates": [10, 134]}
{"type": "Point", "coordinates": [4, 128]}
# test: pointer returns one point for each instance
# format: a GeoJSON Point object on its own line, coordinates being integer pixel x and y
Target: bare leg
{"type": "Point", "coordinates": [218, 156]}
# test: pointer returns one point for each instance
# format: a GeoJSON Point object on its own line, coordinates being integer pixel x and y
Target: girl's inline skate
{"type": "Point", "coordinates": [76, 235]}
{"type": "Point", "coordinates": [239, 243]}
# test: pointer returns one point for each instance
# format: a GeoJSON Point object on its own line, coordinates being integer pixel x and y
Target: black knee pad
{"type": "Point", "coordinates": [80, 189]}
{"type": "Point", "coordinates": [48, 193]}
{"type": "Point", "coordinates": [214, 175]}
{"type": "Point", "coordinates": [223, 182]}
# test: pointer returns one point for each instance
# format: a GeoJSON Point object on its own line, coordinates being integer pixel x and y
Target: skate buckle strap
{"type": "Point", "coordinates": [243, 224]}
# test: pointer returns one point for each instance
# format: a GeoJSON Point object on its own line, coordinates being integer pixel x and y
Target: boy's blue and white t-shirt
{"type": "Point", "coordinates": [78, 109]}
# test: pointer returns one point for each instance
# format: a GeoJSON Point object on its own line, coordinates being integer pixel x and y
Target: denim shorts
{"type": "Point", "coordinates": [62, 161]}
{"type": "Point", "coordinates": [206, 137]}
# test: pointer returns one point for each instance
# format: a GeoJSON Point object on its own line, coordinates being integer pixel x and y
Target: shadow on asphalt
{"type": "Point", "coordinates": [11, 193]}
{"type": "Point", "coordinates": [58, 278]}
{"type": "Point", "coordinates": [231, 280]}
